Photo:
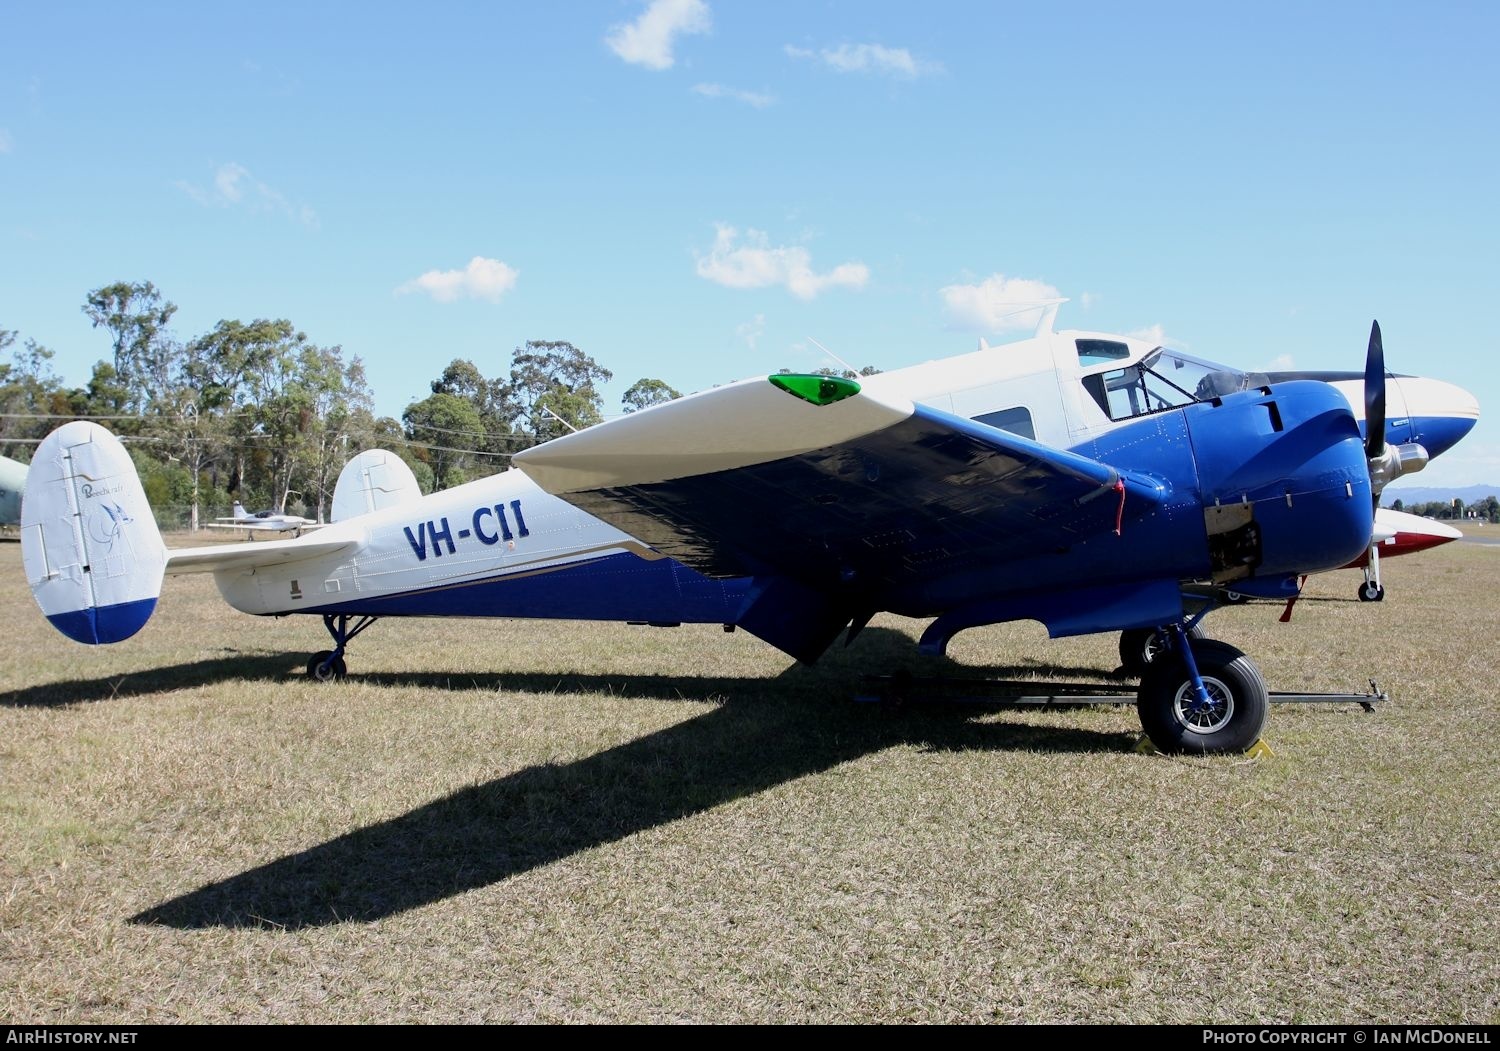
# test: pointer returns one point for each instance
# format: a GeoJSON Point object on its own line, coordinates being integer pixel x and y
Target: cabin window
{"type": "Point", "coordinates": [1099, 351]}
{"type": "Point", "coordinates": [1016, 420]}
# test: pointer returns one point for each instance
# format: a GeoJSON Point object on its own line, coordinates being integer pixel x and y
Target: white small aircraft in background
{"type": "Point", "coordinates": [12, 485]}
{"type": "Point", "coordinates": [264, 522]}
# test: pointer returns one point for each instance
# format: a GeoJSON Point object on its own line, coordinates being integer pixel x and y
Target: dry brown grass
{"type": "Point", "coordinates": [500, 820]}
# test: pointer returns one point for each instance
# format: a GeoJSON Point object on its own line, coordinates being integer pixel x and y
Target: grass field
{"type": "Point", "coordinates": [495, 820]}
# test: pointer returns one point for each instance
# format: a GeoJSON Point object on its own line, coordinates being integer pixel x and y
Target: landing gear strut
{"type": "Point", "coordinates": [1372, 590]}
{"type": "Point", "coordinates": [1140, 646]}
{"type": "Point", "coordinates": [328, 665]}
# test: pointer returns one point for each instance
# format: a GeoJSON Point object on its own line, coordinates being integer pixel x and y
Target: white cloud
{"type": "Point", "coordinates": [868, 58]}
{"type": "Point", "coordinates": [1157, 336]}
{"type": "Point", "coordinates": [227, 182]}
{"type": "Point", "coordinates": [234, 186]}
{"type": "Point", "coordinates": [5, 141]}
{"type": "Point", "coordinates": [751, 331]}
{"type": "Point", "coordinates": [997, 303]}
{"type": "Point", "coordinates": [648, 40]}
{"type": "Point", "coordinates": [757, 99]}
{"type": "Point", "coordinates": [481, 279]}
{"type": "Point", "coordinates": [755, 264]}
{"type": "Point", "coordinates": [1280, 363]}
{"type": "Point", "coordinates": [1088, 299]}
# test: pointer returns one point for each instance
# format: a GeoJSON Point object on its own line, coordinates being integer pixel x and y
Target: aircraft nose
{"type": "Point", "coordinates": [1326, 513]}
{"type": "Point", "coordinates": [1284, 479]}
{"type": "Point", "coordinates": [1439, 414]}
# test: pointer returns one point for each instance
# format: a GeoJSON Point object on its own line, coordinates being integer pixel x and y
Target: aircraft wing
{"type": "Point", "coordinates": [831, 485]}
{"type": "Point", "coordinates": [215, 557]}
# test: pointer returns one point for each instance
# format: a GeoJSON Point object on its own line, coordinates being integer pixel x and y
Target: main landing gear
{"type": "Point", "coordinates": [328, 665]}
{"type": "Point", "coordinates": [1203, 696]}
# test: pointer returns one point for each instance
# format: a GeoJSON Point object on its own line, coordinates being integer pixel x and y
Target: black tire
{"type": "Point", "coordinates": [321, 668]}
{"type": "Point", "coordinates": [1238, 697]}
{"type": "Point", "coordinates": [1370, 591]}
{"type": "Point", "coordinates": [1140, 646]}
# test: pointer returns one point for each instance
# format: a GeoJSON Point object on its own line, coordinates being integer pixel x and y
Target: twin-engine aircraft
{"type": "Point", "coordinates": [1090, 482]}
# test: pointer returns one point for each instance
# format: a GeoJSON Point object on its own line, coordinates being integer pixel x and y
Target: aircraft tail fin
{"type": "Point", "coordinates": [91, 550]}
{"type": "Point", "coordinates": [239, 512]}
{"type": "Point", "coordinates": [372, 481]}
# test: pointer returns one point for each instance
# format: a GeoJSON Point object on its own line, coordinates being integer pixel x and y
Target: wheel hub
{"type": "Point", "coordinates": [1204, 717]}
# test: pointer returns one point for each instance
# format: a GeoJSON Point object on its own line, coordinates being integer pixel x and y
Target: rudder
{"type": "Point", "coordinates": [93, 556]}
{"type": "Point", "coordinates": [372, 481]}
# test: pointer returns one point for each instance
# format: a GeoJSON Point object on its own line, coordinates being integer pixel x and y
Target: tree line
{"type": "Point", "coordinates": [1486, 510]}
{"type": "Point", "coordinates": [257, 412]}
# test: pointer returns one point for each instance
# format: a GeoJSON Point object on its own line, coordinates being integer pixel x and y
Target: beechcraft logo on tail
{"type": "Point", "coordinates": [90, 490]}
{"type": "Point", "coordinates": [106, 528]}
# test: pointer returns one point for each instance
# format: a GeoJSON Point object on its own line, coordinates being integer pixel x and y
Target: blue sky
{"type": "Point", "coordinates": [691, 189]}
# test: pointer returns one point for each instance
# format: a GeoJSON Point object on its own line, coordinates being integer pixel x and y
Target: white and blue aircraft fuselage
{"type": "Point", "coordinates": [1080, 479]}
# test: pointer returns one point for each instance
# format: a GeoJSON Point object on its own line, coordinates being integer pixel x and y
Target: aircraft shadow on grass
{"type": "Point", "coordinates": [237, 665]}
{"type": "Point", "coordinates": [762, 733]}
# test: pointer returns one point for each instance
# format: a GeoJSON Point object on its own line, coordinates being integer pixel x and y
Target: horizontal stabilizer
{"type": "Point", "coordinates": [92, 553]}
{"type": "Point", "coordinates": [215, 558]}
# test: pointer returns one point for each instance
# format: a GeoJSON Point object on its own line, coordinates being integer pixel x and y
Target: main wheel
{"type": "Point", "coordinates": [325, 667]}
{"type": "Point", "coordinates": [1140, 646]}
{"type": "Point", "coordinates": [1370, 591]}
{"type": "Point", "coordinates": [1231, 721]}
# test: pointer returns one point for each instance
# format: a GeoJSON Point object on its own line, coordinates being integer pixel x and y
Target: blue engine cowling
{"type": "Point", "coordinates": [1284, 481]}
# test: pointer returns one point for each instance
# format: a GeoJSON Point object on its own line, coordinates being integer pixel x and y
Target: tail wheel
{"type": "Point", "coordinates": [1140, 646]}
{"type": "Point", "coordinates": [1230, 720]}
{"type": "Point", "coordinates": [325, 667]}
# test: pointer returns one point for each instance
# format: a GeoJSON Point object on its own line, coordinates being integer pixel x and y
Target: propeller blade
{"type": "Point", "coordinates": [1375, 394]}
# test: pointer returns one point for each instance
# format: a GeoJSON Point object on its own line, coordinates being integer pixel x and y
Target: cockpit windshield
{"type": "Point", "coordinates": [1163, 379]}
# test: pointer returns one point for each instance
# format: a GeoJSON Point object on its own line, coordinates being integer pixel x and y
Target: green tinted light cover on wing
{"type": "Point", "coordinates": [820, 390]}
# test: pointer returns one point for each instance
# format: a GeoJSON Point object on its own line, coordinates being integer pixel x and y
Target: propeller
{"type": "Point", "coordinates": [1387, 463]}
{"type": "Point", "coordinates": [1375, 395]}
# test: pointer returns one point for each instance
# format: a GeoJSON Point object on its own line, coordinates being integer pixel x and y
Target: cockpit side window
{"type": "Point", "coordinates": [1099, 351]}
{"type": "Point", "coordinates": [1016, 421]}
{"type": "Point", "coordinates": [1157, 382]}
{"type": "Point", "coordinates": [1163, 379]}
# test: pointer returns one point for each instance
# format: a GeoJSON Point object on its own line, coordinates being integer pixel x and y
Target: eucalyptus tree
{"type": "Point", "coordinates": [555, 387]}
{"type": "Point", "coordinates": [146, 357]}
{"type": "Point", "coordinates": [644, 393]}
